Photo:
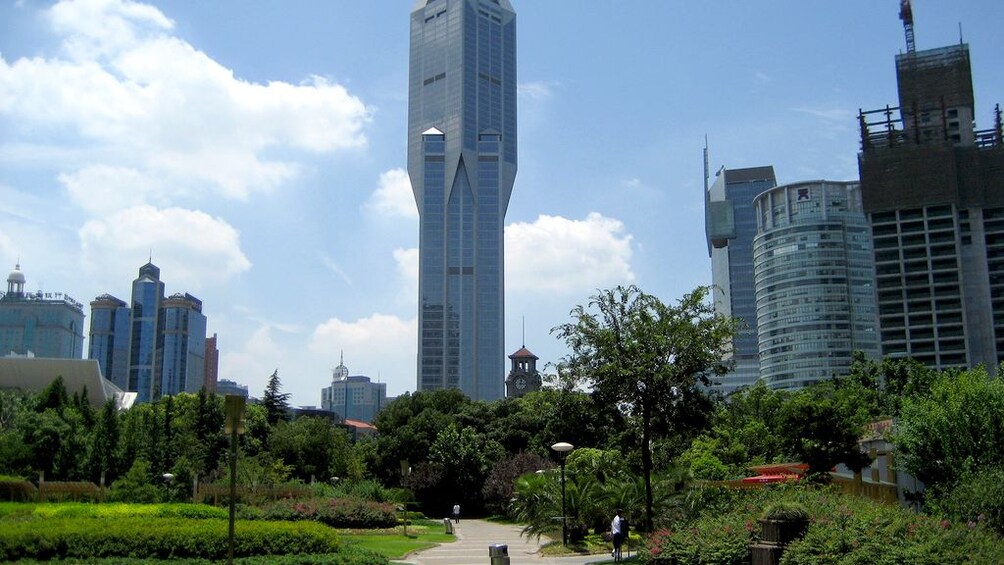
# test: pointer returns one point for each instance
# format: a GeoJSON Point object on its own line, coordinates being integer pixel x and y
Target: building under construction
{"type": "Point", "coordinates": [933, 189]}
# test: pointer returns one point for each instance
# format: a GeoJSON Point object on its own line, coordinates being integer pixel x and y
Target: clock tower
{"type": "Point", "coordinates": [523, 377]}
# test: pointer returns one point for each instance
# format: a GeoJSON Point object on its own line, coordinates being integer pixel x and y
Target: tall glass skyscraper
{"type": "Point", "coordinates": [153, 346]}
{"type": "Point", "coordinates": [182, 346]}
{"type": "Point", "coordinates": [462, 164]}
{"type": "Point", "coordinates": [730, 225]}
{"type": "Point", "coordinates": [147, 294]}
{"type": "Point", "coordinates": [109, 338]}
{"type": "Point", "coordinates": [814, 275]}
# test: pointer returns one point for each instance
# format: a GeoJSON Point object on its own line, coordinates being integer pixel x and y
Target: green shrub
{"type": "Point", "coordinates": [978, 499]}
{"type": "Point", "coordinates": [842, 529]}
{"type": "Point", "coordinates": [346, 556]}
{"type": "Point", "coordinates": [722, 540]}
{"type": "Point", "coordinates": [86, 538]}
{"type": "Point", "coordinates": [335, 512]}
{"type": "Point", "coordinates": [786, 511]}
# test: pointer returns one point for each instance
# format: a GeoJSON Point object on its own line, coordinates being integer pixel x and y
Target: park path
{"type": "Point", "coordinates": [473, 539]}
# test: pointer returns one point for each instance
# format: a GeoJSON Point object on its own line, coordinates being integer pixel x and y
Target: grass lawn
{"type": "Point", "coordinates": [393, 544]}
{"type": "Point", "coordinates": [592, 545]}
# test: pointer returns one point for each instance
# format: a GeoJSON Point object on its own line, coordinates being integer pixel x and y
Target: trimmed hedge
{"type": "Point", "coordinates": [334, 512]}
{"type": "Point", "coordinates": [163, 538]}
{"type": "Point", "coordinates": [346, 556]}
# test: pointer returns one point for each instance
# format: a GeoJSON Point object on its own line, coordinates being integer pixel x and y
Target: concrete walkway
{"type": "Point", "coordinates": [473, 539]}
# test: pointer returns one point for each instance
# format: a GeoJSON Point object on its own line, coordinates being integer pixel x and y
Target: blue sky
{"type": "Point", "coordinates": [257, 149]}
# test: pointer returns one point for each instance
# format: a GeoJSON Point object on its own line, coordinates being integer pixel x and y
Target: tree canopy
{"type": "Point", "coordinates": [648, 359]}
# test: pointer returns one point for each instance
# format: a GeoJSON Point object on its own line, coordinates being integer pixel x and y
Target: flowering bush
{"type": "Point", "coordinates": [843, 529]}
{"type": "Point", "coordinates": [336, 512]}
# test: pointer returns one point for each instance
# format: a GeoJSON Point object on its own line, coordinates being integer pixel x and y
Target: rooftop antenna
{"type": "Point", "coordinates": [906, 14]}
{"type": "Point", "coordinates": [960, 33]}
{"type": "Point", "coordinates": [524, 331]}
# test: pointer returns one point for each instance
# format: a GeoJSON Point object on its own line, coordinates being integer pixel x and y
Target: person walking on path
{"type": "Point", "coordinates": [456, 513]}
{"type": "Point", "coordinates": [617, 533]}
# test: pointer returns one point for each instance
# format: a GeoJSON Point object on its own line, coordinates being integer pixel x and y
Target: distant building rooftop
{"type": "Point", "coordinates": [32, 374]}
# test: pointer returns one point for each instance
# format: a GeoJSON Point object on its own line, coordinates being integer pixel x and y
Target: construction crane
{"type": "Point", "coordinates": [906, 14]}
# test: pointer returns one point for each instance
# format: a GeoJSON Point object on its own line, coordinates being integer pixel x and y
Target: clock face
{"type": "Point", "coordinates": [520, 383]}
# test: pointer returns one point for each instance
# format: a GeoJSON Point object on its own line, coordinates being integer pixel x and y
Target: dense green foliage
{"type": "Point", "coordinates": [648, 359]}
{"type": "Point", "coordinates": [334, 512]}
{"type": "Point", "coordinates": [642, 434]}
{"type": "Point", "coordinates": [978, 498]}
{"type": "Point", "coordinates": [162, 538]}
{"type": "Point", "coordinates": [955, 429]}
{"type": "Point", "coordinates": [843, 529]}
{"type": "Point", "coordinates": [345, 556]}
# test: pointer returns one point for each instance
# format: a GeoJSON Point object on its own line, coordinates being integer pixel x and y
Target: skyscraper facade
{"type": "Point", "coordinates": [147, 294]}
{"type": "Point", "coordinates": [108, 341]}
{"type": "Point", "coordinates": [182, 334]}
{"type": "Point", "coordinates": [153, 346]}
{"type": "Point", "coordinates": [37, 324]}
{"type": "Point", "coordinates": [814, 274]}
{"type": "Point", "coordinates": [730, 225]}
{"type": "Point", "coordinates": [462, 165]}
{"type": "Point", "coordinates": [933, 190]}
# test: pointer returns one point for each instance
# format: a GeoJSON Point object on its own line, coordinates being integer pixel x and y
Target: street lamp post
{"type": "Point", "coordinates": [233, 424]}
{"type": "Point", "coordinates": [563, 448]}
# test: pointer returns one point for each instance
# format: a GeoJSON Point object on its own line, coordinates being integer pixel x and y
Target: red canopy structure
{"type": "Point", "coordinates": [776, 473]}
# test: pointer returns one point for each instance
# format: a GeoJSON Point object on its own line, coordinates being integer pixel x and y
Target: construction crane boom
{"type": "Point", "coordinates": [906, 14]}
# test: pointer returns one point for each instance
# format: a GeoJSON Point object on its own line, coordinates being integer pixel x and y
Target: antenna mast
{"type": "Point", "coordinates": [906, 14]}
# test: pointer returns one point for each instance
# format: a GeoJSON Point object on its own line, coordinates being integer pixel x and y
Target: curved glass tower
{"type": "Point", "coordinates": [813, 270]}
{"type": "Point", "coordinates": [462, 164]}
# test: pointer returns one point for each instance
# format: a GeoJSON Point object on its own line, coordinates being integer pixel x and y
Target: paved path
{"type": "Point", "coordinates": [473, 539]}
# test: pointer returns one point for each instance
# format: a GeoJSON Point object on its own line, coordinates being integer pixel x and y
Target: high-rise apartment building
{"type": "Point", "coordinates": [462, 165]}
{"type": "Point", "coordinates": [814, 274]}
{"type": "Point", "coordinates": [933, 190]}
{"type": "Point", "coordinates": [37, 324]}
{"type": "Point", "coordinates": [154, 346]}
{"type": "Point", "coordinates": [212, 370]}
{"type": "Point", "coordinates": [730, 224]}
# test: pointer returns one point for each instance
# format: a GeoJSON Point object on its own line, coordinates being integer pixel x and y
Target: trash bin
{"type": "Point", "coordinates": [499, 554]}
{"type": "Point", "coordinates": [448, 525]}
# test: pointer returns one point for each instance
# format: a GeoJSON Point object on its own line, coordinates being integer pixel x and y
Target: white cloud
{"type": "Point", "coordinates": [559, 255]}
{"type": "Point", "coordinates": [335, 268]}
{"type": "Point", "coordinates": [254, 361]}
{"type": "Point", "coordinates": [379, 345]}
{"type": "Point", "coordinates": [164, 110]}
{"type": "Point", "coordinates": [832, 114]}
{"type": "Point", "coordinates": [554, 255]}
{"type": "Point", "coordinates": [196, 248]}
{"type": "Point", "coordinates": [103, 189]}
{"type": "Point", "coordinates": [393, 198]}
{"type": "Point", "coordinates": [534, 90]}
{"type": "Point", "coordinates": [407, 263]}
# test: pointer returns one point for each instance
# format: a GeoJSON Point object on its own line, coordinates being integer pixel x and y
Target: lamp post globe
{"type": "Point", "coordinates": [562, 448]}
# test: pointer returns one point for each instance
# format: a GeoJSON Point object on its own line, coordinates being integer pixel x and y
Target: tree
{"type": "Point", "coordinates": [955, 430]}
{"type": "Point", "coordinates": [465, 458]}
{"type": "Point", "coordinates": [276, 403]}
{"type": "Point", "coordinates": [647, 358]}
{"type": "Point", "coordinates": [408, 427]}
{"type": "Point", "coordinates": [821, 431]}
{"type": "Point", "coordinates": [313, 447]}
